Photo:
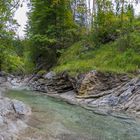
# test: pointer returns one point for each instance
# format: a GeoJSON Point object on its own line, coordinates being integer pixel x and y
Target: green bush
{"type": "Point", "coordinates": [13, 64]}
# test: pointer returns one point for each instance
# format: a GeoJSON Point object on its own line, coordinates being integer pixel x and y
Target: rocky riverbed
{"type": "Point", "coordinates": [105, 95]}
{"type": "Point", "coordinates": [104, 91]}
{"type": "Point", "coordinates": [13, 113]}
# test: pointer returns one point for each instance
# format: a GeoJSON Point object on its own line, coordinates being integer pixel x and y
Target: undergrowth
{"type": "Point", "coordinates": [120, 56]}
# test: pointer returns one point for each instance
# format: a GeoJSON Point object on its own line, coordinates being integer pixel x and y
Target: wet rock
{"type": "Point", "coordinates": [13, 113]}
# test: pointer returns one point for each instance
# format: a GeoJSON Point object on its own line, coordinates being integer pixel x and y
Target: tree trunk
{"type": "Point", "coordinates": [93, 14]}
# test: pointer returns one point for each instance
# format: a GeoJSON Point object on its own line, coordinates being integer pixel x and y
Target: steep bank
{"type": "Point", "coordinates": [109, 87]}
{"type": "Point", "coordinates": [111, 57]}
{"type": "Point", "coordinates": [13, 113]}
{"type": "Point", "coordinates": [104, 91]}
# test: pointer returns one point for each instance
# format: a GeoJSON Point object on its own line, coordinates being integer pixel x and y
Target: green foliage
{"type": "Point", "coordinates": [110, 39]}
{"type": "Point", "coordinates": [9, 54]}
{"type": "Point", "coordinates": [13, 64]}
{"type": "Point", "coordinates": [10, 61]}
{"type": "Point", "coordinates": [43, 40]}
{"type": "Point", "coordinates": [51, 27]}
{"type": "Point", "coordinates": [29, 66]}
{"type": "Point", "coordinates": [110, 24]}
{"type": "Point", "coordinates": [79, 59]}
{"type": "Point", "coordinates": [129, 41]}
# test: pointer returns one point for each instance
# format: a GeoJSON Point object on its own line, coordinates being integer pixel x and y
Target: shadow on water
{"type": "Point", "coordinates": [61, 121]}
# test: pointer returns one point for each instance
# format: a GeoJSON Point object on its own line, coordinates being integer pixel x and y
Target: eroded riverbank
{"type": "Point", "coordinates": [107, 92]}
{"type": "Point", "coordinates": [56, 120]}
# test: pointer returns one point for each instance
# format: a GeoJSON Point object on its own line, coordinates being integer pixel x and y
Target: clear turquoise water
{"type": "Point", "coordinates": [70, 122]}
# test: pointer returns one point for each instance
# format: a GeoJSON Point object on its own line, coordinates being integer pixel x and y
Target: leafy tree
{"type": "Point", "coordinates": [111, 20]}
{"type": "Point", "coordinates": [51, 27]}
{"type": "Point", "coordinates": [9, 60]}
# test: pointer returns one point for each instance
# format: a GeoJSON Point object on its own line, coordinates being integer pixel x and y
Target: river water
{"type": "Point", "coordinates": [56, 120]}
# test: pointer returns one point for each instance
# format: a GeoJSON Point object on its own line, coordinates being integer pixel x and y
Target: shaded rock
{"type": "Point", "coordinates": [52, 83]}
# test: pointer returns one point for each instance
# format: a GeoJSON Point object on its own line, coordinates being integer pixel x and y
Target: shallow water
{"type": "Point", "coordinates": [61, 121]}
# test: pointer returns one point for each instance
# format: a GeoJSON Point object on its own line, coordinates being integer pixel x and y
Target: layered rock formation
{"type": "Point", "coordinates": [93, 83]}
{"type": "Point", "coordinates": [94, 89]}
{"type": "Point", "coordinates": [51, 83]}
